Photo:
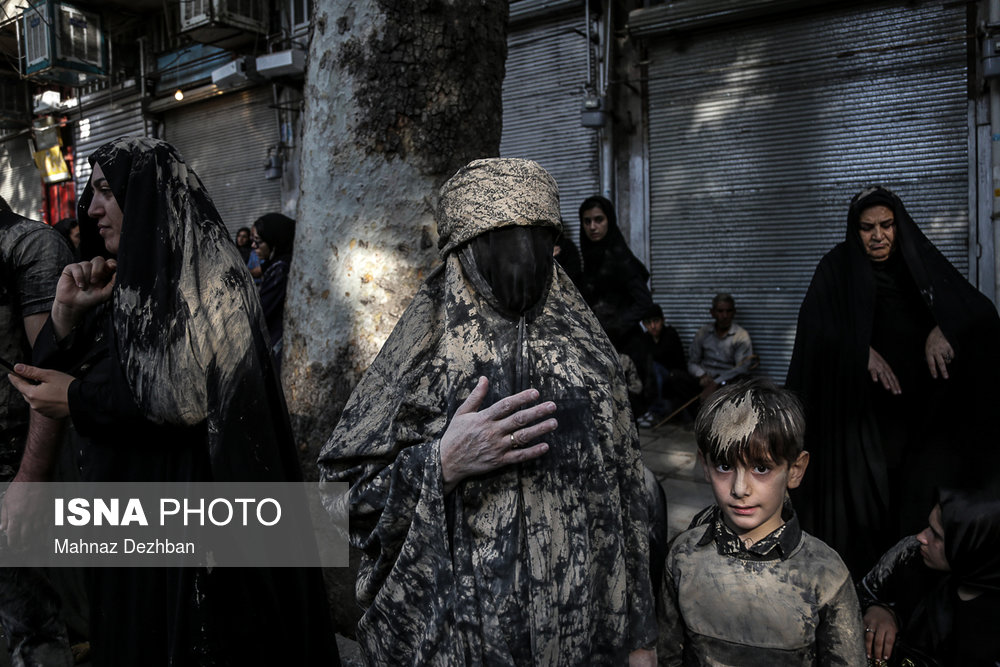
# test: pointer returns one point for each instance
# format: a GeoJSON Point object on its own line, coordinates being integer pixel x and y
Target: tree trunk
{"type": "Point", "coordinates": [399, 95]}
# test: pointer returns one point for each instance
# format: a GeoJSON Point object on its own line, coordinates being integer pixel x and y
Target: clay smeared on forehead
{"type": "Point", "coordinates": [751, 421]}
{"type": "Point", "coordinates": [734, 425]}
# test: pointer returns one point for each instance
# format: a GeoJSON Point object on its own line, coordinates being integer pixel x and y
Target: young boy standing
{"type": "Point", "coordinates": [745, 586]}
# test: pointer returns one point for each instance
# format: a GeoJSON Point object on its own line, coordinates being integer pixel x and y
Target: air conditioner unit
{"type": "Point", "coordinates": [223, 23]}
{"type": "Point", "coordinates": [64, 44]}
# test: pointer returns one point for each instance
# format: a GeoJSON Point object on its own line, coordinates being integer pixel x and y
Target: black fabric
{"type": "Point", "coordinates": [175, 383]}
{"type": "Point", "coordinates": [516, 262]}
{"type": "Point", "coordinates": [851, 498]}
{"type": "Point", "coordinates": [613, 282]}
{"type": "Point", "coordinates": [933, 618]}
{"type": "Point", "coordinates": [569, 258]}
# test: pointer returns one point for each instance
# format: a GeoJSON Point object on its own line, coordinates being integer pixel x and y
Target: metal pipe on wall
{"type": "Point", "coordinates": [607, 133]}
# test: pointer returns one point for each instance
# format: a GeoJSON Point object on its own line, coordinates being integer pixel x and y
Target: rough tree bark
{"type": "Point", "coordinates": [399, 95]}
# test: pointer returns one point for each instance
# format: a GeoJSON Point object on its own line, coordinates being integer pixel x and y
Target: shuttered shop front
{"type": "Point", "coordinates": [542, 99]}
{"type": "Point", "coordinates": [760, 133]}
{"type": "Point", "coordinates": [103, 117]}
{"type": "Point", "coordinates": [225, 141]}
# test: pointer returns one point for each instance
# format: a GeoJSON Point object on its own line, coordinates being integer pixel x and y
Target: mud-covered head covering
{"type": "Point", "coordinates": [971, 522]}
{"type": "Point", "coordinates": [493, 193]}
{"type": "Point", "coordinates": [187, 321]}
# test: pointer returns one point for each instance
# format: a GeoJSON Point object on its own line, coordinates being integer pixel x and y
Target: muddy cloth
{"type": "Point", "coordinates": [875, 457]}
{"type": "Point", "coordinates": [174, 383]}
{"type": "Point", "coordinates": [788, 599]}
{"type": "Point", "coordinates": [542, 563]}
{"type": "Point", "coordinates": [613, 283]}
{"type": "Point", "coordinates": [932, 617]}
{"type": "Point", "coordinates": [32, 256]}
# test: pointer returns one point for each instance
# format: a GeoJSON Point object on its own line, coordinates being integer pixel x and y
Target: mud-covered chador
{"type": "Point", "coordinates": [543, 562]}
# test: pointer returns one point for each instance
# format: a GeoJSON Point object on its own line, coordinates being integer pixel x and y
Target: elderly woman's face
{"type": "Point", "coordinates": [104, 208]}
{"type": "Point", "coordinates": [877, 226]}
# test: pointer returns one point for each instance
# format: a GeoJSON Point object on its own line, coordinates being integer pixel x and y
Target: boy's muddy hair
{"type": "Point", "coordinates": [750, 421]}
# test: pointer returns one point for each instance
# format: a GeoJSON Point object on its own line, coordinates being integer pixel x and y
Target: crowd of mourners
{"type": "Point", "coordinates": [498, 501]}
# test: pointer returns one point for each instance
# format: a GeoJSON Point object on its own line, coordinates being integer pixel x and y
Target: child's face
{"type": "Point", "coordinates": [751, 495]}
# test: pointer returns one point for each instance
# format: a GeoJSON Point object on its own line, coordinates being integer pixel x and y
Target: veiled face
{"type": "Point", "coordinates": [104, 208]}
{"type": "Point", "coordinates": [931, 541]}
{"type": "Point", "coordinates": [877, 227]}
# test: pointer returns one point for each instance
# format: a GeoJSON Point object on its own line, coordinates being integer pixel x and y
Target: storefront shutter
{"type": "Point", "coordinates": [225, 141]}
{"type": "Point", "coordinates": [760, 133]}
{"type": "Point", "coordinates": [104, 116]}
{"type": "Point", "coordinates": [543, 94]}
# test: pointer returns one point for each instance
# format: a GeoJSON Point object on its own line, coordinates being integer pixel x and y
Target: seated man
{"type": "Point", "coordinates": [660, 358]}
{"type": "Point", "coordinates": [719, 350]}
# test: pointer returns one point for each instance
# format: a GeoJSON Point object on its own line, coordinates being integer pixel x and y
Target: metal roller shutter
{"type": "Point", "coordinates": [542, 98]}
{"type": "Point", "coordinates": [103, 117]}
{"type": "Point", "coordinates": [225, 141]}
{"type": "Point", "coordinates": [20, 181]}
{"type": "Point", "coordinates": [760, 134]}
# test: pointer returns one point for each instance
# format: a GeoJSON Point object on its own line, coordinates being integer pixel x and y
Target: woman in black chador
{"type": "Point", "coordinates": [613, 282]}
{"type": "Point", "coordinates": [172, 381]}
{"type": "Point", "coordinates": [897, 360]}
{"type": "Point", "coordinates": [935, 596]}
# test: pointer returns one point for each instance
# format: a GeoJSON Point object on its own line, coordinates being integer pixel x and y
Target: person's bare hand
{"type": "Point", "coordinates": [938, 352]}
{"type": "Point", "coordinates": [881, 372]}
{"type": "Point", "coordinates": [477, 442]}
{"type": "Point", "coordinates": [880, 632]}
{"type": "Point", "coordinates": [81, 286]}
{"type": "Point", "coordinates": [50, 396]}
{"type": "Point", "coordinates": [642, 657]}
{"type": "Point", "coordinates": [22, 510]}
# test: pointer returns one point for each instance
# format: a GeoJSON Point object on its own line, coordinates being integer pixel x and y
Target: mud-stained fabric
{"type": "Point", "coordinates": [542, 563]}
{"type": "Point", "coordinates": [788, 599]}
{"type": "Point", "coordinates": [174, 383]}
{"type": "Point", "coordinates": [188, 326]}
{"type": "Point", "coordinates": [876, 457]}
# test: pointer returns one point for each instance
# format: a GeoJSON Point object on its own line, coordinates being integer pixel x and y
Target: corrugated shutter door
{"type": "Point", "coordinates": [542, 98]}
{"type": "Point", "coordinates": [110, 117]}
{"type": "Point", "coordinates": [225, 141]}
{"type": "Point", "coordinates": [20, 181]}
{"type": "Point", "coordinates": [760, 135]}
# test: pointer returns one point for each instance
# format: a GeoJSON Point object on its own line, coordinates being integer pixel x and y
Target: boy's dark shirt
{"type": "Point", "coordinates": [786, 600]}
{"type": "Point", "coordinates": [668, 351]}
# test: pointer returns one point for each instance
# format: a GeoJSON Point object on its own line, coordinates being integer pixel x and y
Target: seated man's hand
{"type": "Point", "coordinates": [479, 442]}
{"type": "Point", "coordinates": [881, 372]}
{"type": "Point", "coordinates": [880, 632]}
{"type": "Point", "coordinates": [938, 352]}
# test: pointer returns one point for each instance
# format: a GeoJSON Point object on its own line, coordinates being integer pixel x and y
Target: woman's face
{"type": "Point", "coordinates": [931, 541]}
{"type": "Point", "coordinates": [595, 223]}
{"type": "Point", "coordinates": [262, 247]}
{"type": "Point", "coordinates": [104, 208]}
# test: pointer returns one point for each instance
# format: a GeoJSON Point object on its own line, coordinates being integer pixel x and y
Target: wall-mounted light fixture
{"type": "Point", "coordinates": [273, 166]}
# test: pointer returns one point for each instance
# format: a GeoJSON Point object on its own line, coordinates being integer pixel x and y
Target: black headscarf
{"type": "Point", "coordinates": [844, 500]}
{"type": "Point", "coordinates": [613, 282]}
{"type": "Point", "coordinates": [187, 321]}
{"type": "Point", "coordinates": [278, 231]}
{"type": "Point", "coordinates": [971, 522]}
